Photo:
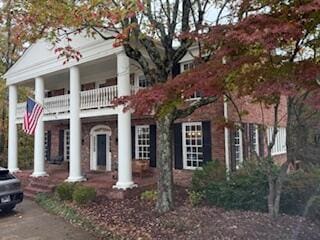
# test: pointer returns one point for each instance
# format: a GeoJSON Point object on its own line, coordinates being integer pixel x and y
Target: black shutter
{"type": "Point", "coordinates": [177, 132]}
{"type": "Point", "coordinates": [49, 145]}
{"type": "Point", "coordinates": [245, 140]}
{"type": "Point", "coordinates": [153, 146]}
{"type": "Point", "coordinates": [261, 140]}
{"type": "Point", "coordinates": [206, 138]}
{"type": "Point", "coordinates": [61, 142]}
{"type": "Point", "coordinates": [133, 142]}
{"type": "Point", "coordinates": [251, 134]}
{"type": "Point", "coordinates": [233, 163]}
{"type": "Point", "coordinates": [176, 70]}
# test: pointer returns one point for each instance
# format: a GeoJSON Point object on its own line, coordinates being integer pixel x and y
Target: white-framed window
{"type": "Point", "coordinates": [280, 141]}
{"type": "Point", "coordinates": [143, 82]}
{"type": "Point", "coordinates": [238, 147]}
{"type": "Point", "coordinates": [66, 145]}
{"type": "Point", "coordinates": [46, 145]}
{"type": "Point", "coordinates": [184, 67]}
{"type": "Point", "coordinates": [255, 139]}
{"type": "Point", "coordinates": [142, 142]}
{"type": "Point", "coordinates": [192, 145]}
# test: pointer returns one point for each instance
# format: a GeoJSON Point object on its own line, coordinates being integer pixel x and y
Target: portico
{"type": "Point", "coordinates": [84, 100]}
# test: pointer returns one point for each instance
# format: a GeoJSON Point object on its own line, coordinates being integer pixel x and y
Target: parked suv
{"type": "Point", "coordinates": [10, 191]}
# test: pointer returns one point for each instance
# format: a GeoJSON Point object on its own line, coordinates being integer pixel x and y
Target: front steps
{"type": "Point", "coordinates": [36, 186]}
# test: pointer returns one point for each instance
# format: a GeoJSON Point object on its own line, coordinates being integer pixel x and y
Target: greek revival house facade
{"type": "Point", "coordinates": [80, 125]}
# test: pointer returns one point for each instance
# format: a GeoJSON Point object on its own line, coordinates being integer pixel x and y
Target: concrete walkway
{"type": "Point", "coordinates": [30, 222]}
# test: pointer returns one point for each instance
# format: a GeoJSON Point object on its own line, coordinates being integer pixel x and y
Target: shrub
{"type": "Point", "coordinates": [243, 191]}
{"type": "Point", "coordinates": [149, 195]}
{"type": "Point", "coordinates": [84, 194]}
{"type": "Point", "coordinates": [195, 198]}
{"type": "Point", "coordinates": [298, 189]}
{"type": "Point", "coordinates": [65, 190]}
{"type": "Point", "coordinates": [313, 211]}
{"type": "Point", "coordinates": [211, 172]}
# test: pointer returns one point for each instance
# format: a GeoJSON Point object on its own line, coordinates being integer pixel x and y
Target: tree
{"type": "Point", "coordinates": [156, 27]}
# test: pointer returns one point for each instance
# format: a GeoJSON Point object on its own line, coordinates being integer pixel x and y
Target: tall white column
{"type": "Point", "coordinates": [75, 174]}
{"type": "Point", "coordinates": [13, 134]}
{"type": "Point", "coordinates": [38, 166]}
{"type": "Point", "coordinates": [124, 126]}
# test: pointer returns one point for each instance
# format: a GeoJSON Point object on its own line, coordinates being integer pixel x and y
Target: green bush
{"type": "Point", "coordinates": [195, 198]}
{"type": "Point", "coordinates": [313, 211]}
{"type": "Point", "coordinates": [65, 190]}
{"type": "Point", "coordinates": [149, 195]}
{"type": "Point", "coordinates": [298, 189]}
{"type": "Point", "coordinates": [244, 190]}
{"type": "Point", "coordinates": [84, 194]}
{"type": "Point", "coordinates": [213, 171]}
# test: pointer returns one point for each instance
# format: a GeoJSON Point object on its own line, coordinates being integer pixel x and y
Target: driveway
{"type": "Point", "coordinates": [30, 222]}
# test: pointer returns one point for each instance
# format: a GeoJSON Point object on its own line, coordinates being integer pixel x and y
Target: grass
{"type": "Point", "coordinates": [57, 207]}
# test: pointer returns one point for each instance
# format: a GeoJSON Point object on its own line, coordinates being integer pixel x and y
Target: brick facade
{"type": "Point", "coordinates": [213, 113]}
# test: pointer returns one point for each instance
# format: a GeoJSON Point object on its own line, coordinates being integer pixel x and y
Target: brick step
{"type": "Point", "coordinates": [42, 186]}
{"type": "Point", "coordinates": [34, 191]}
{"type": "Point", "coordinates": [29, 195]}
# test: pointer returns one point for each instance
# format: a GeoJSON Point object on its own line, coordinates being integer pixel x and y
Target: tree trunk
{"type": "Point", "coordinates": [165, 178]}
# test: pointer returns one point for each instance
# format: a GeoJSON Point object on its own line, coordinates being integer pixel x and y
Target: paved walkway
{"type": "Point", "coordinates": [30, 222]}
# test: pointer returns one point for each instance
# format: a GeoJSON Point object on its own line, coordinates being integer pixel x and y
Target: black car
{"type": "Point", "coordinates": [10, 191]}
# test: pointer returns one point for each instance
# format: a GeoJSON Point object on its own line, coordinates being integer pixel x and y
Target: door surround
{"type": "Point", "coordinates": [98, 130]}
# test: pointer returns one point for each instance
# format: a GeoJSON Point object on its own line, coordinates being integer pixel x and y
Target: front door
{"type": "Point", "coordinates": [101, 149]}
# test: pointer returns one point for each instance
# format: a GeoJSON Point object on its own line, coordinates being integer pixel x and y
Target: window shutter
{"type": "Point", "coordinates": [232, 148]}
{"type": "Point", "coordinates": [206, 141]}
{"type": "Point", "coordinates": [177, 131]}
{"type": "Point", "coordinates": [251, 134]}
{"type": "Point", "coordinates": [245, 141]}
{"type": "Point", "coordinates": [49, 146]}
{"type": "Point", "coordinates": [61, 142]}
{"type": "Point", "coordinates": [175, 70]}
{"type": "Point", "coordinates": [153, 146]}
{"type": "Point", "coordinates": [261, 140]}
{"type": "Point", "coordinates": [133, 142]}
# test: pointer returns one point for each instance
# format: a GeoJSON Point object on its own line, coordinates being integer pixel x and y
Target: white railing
{"type": "Point", "coordinates": [21, 107]}
{"type": "Point", "coordinates": [57, 104]}
{"type": "Point", "coordinates": [98, 98]}
{"type": "Point", "coordinates": [90, 99]}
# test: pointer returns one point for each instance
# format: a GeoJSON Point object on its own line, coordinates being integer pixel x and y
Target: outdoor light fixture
{"type": "Point", "coordinates": [318, 79]}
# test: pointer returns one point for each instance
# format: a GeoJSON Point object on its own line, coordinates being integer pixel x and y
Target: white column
{"type": "Point", "coordinates": [38, 165]}
{"type": "Point", "coordinates": [75, 174]}
{"type": "Point", "coordinates": [13, 134]}
{"type": "Point", "coordinates": [124, 126]}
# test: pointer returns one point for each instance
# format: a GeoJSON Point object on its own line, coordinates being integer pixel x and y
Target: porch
{"type": "Point", "coordinates": [102, 181]}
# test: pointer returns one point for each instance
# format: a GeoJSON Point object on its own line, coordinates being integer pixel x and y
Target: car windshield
{"type": "Point", "coordinates": [5, 175]}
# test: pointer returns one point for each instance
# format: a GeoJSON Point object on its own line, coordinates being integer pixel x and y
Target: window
{"type": "Point", "coordinates": [192, 145]}
{"type": "Point", "coordinates": [238, 148]}
{"type": "Point", "coordinates": [185, 67]}
{"type": "Point", "coordinates": [254, 132]}
{"type": "Point", "coordinates": [66, 144]}
{"type": "Point", "coordinates": [143, 142]}
{"type": "Point", "coordinates": [280, 141]}
{"type": "Point", "coordinates": [143, 82]}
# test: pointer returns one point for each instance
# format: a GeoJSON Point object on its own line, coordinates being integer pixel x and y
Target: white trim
{"type": "Point", "coordinates": [184, 150]}
{"type": "Point", "coordinates": [256, 132]}
{"type": "Point", "coordinates": [99, 130]}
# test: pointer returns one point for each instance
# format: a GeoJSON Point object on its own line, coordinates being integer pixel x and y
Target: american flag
{"type": "Point", "coordinates": [31, 116]}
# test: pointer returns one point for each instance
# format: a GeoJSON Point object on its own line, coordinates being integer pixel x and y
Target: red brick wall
{"type": "Point", "coordinates": [213, 113]}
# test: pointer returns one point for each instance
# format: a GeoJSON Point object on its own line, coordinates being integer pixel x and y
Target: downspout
{"type": "Point", "coordinates": [226, 135]}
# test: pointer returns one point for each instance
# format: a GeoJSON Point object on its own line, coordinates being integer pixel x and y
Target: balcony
{"type": "Point", "coordinates": [97, 101]}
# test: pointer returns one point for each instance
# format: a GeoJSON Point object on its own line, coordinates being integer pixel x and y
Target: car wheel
{"type": "Point", "coordinates": [8, 208]}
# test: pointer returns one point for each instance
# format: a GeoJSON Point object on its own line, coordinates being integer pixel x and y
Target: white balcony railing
{"type": "Point", "coordinates": [90, 99]}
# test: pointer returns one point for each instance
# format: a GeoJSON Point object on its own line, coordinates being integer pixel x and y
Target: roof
{"type": "Point", "coordinates": [40, 59]}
